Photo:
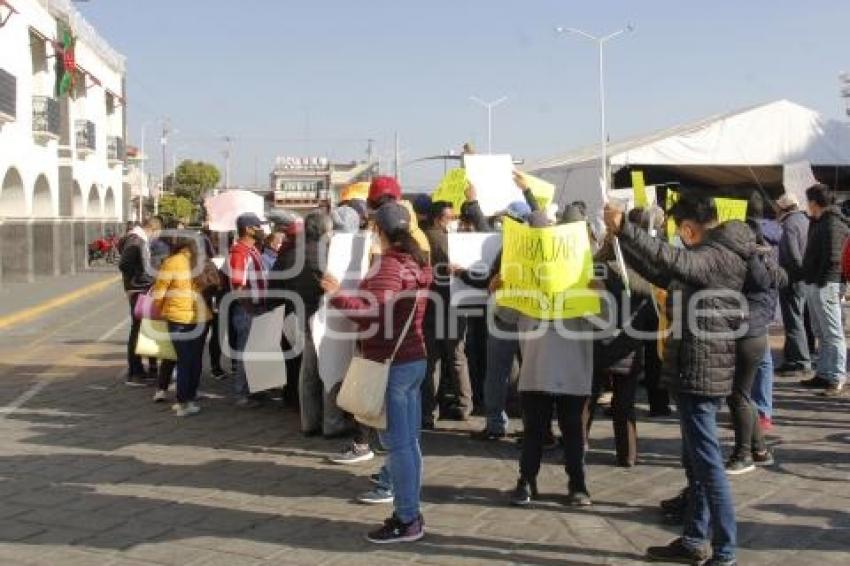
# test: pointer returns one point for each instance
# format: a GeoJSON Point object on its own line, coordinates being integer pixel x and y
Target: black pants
{"type": "Point", "coordinates": [749, 353]}
{"type": "Point", "coordinates": [447, 379]}
{"type": "Point", "coordinates": [659, 399]}
{"type": "Point", "coordinates": [537, 418]}
{"type": "Point", "coordinates": [476, 355]}
{"type": "Point", "coordinates": [134, 362]}
{"type": "Point", "coordinates": [215, 345]}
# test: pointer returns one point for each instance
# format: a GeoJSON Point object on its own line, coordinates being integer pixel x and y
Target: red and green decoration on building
{"type": "Point", "coordinates": [66, 64]}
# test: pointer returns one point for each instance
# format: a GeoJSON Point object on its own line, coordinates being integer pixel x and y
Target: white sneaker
{"type": "Point", "coordinates": [187, 410]}
{"type": "Point", "coordinates": [160, 396]}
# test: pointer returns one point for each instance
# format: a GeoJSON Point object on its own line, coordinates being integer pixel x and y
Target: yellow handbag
{"type": "Point", "coordinates": [154, 340]}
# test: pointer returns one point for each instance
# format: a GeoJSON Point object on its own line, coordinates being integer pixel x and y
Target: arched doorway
{"type": "Point", "coordinates": [42, 201]}
{"type": "Point", "coordinates": [12, 200]}
{"type": "Point", "coordinates": [109, 204]}
{"type": "Point", "coordinates": [77, 208]}
{"type": "Point", "coordinates": [94, 208]}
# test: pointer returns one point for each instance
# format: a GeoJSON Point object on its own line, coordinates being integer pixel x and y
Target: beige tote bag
{"type": "Point", "coordinates": [364, 388]}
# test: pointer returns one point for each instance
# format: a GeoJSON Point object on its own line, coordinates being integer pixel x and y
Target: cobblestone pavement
{"type": "Point", "coordinates": [92, 472]}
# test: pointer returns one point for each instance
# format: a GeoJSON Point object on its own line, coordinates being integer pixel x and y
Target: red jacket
{"type": "Point", "coordinates": [245, 269]}
{"type": "Point", "coordinates": [382, 306]}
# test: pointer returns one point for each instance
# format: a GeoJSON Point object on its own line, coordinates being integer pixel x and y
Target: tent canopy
{"type": "Point", "coordinates": [746, 148]}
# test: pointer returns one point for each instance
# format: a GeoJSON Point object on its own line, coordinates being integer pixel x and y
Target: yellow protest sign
{"type": "Point", "coordinates": [355, 191]}
{"type": "Point", "coordinates": [727, 209]}
{"type": "Point", "coordinates": [672, 198]}
{"type": "Point", "coordinates": [639, 187]}
{"type": "Point", "coordinates": [543, 191]}
{"type": "Point", "coordinates": [452, 188]}
{"type": "Point", "coordinates": [546, 271]}
{"type": "Point", "coordinates": [730, 209]}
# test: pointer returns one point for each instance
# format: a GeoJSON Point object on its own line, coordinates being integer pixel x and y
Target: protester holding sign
{"type": "Point", "coordinates": [704, 281]}
{"type": "Point", "coordinates": [557, 359]}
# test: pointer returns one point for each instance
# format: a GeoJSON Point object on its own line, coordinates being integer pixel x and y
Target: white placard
{"type": "Point", "coordinates": [333, 333]}
{"type": "Point", "coordinates": [265, 365]}
{"type": "Point", "coordinates": [797, 177]}
{"type": "Point", "coordinates": [628, 196]}
{"type": "Point", "coordinates": [492, 177]}
{"type": "Point", "coordinates": [475, 252]}
{"type": "Point", "coordinates": [224, 208]}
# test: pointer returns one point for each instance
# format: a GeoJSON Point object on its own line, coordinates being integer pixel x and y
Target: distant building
{"type": "Point", "coordinates": [62, 124]}
{"type": "Point", "coordinates": [303, 183]}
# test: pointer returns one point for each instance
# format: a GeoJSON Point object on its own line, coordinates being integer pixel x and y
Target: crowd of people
{"type": "Point", "coordinates": [693, 327]}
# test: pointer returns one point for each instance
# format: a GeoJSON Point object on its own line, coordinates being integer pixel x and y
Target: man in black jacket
{"type": "Point", "coordinates": [828, 233]}
{"type": "Point", "coordinates": [706, 310]}
{"type": "Point", "coordinates": [447, 382]}
{"type": "Point", "coordinates": [792, 246]}
{"type": "Point", "coordinates": [138, 276]}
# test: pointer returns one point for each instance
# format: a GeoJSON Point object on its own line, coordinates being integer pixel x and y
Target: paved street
{"type": "Point", "coordinates": [92, 472]}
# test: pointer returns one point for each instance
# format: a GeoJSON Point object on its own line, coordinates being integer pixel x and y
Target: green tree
{"type": "Point", "coordinates": [192, 179]}
{"type": "Point", "coordinates": [177, 207]}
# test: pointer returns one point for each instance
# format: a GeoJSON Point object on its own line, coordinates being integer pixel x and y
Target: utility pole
{"type": "Point", "coordinates": [369, 149]}
{"type": "Point", "coordinates": [227, 153]}
{"type": "Point", "coordinates": [166, 129]}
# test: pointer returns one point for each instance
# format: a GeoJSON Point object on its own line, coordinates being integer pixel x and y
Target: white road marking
{"type": "Point", "coordinates": [39, 385]}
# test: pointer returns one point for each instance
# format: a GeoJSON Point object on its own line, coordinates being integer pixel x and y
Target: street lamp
{"type": "Point", "coordinates": [489, 106]}
{"type": "Point", "coordinates": [144, 186]}
{"type": "Point", "coordinates": [600, 42]}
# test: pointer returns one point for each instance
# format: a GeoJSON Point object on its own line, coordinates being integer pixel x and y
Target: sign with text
{"type": "Point", "coordinates": [543, 191]}
{"type": "Point", "coordinates": [546, 272]}
{"type": "Point", "coordinates": [730, 209]}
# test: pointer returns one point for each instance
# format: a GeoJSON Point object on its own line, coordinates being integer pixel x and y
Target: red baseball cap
{"type": "Point", "coordinates": [383, 186]}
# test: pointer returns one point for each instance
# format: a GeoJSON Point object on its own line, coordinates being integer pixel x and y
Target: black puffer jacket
{"type": "Point", "coordinates": [135, 264]}
{"type": "Point", "coordinates": [303, 283]}
{"type": "Point", "coordinates": [827, 235]}
{"type": "Point", "coordinates": [698, 359]}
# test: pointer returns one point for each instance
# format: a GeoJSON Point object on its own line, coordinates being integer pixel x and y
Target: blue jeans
{"type": "Point", "coordinates": [762, 393]}
{"type": "Point", "coordinates": [711, 510]}
{"type": "Point", "coordinates": [241, 320]}
{"type": "Point", "coordinates": [825, 305]}
{"type": "Point", "coordinates": [791, 302]}
{"type": "Point", "coordinates": [501, 353]}
{"type": "Point", "coordinates": [188, 340]}
{"type": "Point", "coordinates": [401, 439]}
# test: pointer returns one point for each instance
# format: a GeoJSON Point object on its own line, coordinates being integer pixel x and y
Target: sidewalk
{"type": "Point", "coordinates": [17, 297]}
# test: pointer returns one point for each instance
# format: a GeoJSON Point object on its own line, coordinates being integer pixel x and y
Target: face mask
{"type": "Point", "coordinates": [453, 226]}
{"type": "Point", "coordinates": [677, 242]}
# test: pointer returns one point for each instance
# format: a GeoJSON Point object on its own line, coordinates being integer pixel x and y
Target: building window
{"type": "Point", "coordinates": [110, 104]}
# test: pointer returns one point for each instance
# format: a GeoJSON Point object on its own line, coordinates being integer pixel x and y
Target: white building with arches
{"type": "Point", "coordinates": [61, 149]}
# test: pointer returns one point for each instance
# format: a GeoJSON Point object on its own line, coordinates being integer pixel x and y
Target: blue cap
{"type": "Point", "coordinates": [519, 210]}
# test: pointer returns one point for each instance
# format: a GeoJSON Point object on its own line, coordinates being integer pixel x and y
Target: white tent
{"type": "Point", "coordinates": [747, 147]}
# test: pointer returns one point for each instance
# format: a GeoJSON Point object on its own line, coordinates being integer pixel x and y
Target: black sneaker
{"type": "Point", "coordinates": [677, 552]}
{"type": "Point", "coordinates": [738, 465]}
{"type": "Point", "coordinates": [816, 382]}
{"type": "Point", "coordinates": [763, 458]}
{"type": "Point", "coordinates": [137, 381]}
{"type": "Point", "coordinates": [834, 390]}
{"type": "Point", "coordinates": [524, 493]}
{"type": "Point", "coordinates": [676, 504]}
{"type": "Point", "coordinates": [487, 436]}
{"type": "Point", "coordinates": [789, 370]}
{"type": "Point", "coordinates": [579, 499]}
{"type": "Point", "coordinates": [218, 374]}
{"type": "Point", "coordinates": [395, 531]}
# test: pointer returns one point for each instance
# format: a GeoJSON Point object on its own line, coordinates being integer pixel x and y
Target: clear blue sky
{"type": "Point", "coordinates": [271, 73]}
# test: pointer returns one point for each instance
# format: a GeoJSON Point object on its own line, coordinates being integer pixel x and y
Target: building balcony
{"type": "Point", "coordinates": [115, 151]}
{"type": "Point", "coordinates": [86, 137]}
{"type": "Point", "coordinates": [45, 119]}
{"type": "Point", "coordinates": [8, 97]}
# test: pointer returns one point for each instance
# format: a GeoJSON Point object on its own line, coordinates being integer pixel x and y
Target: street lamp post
{"type": "Point", "coordinates": [600, 42]}
{"type": "Point", "coordinates": [489, 106]}
{"type": "Point", "coordinates": [603, 136]}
